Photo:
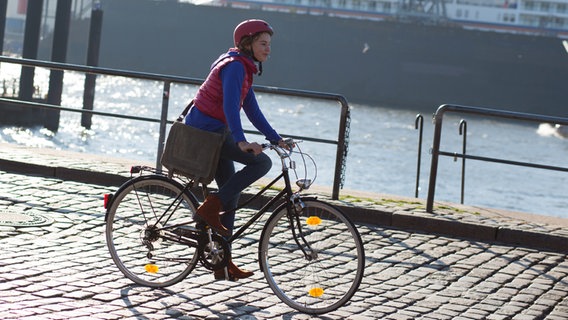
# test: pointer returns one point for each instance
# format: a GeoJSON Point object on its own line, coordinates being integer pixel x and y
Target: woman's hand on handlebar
{"type": "Point", "coordinates": [287, 144]}
{"type": "Point", "coordinates": [250, 147]}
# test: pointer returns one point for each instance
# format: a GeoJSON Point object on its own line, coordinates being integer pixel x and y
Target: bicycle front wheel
{"type": "Point", "coordinates": [314, 259]}
{"type": "Point", "coordinates": [147, 232]}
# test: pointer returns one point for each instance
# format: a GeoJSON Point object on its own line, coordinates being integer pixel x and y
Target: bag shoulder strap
{"type": "Point", "coordinates": [185, 111]}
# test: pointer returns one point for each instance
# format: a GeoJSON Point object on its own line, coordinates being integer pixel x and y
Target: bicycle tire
{"type": "Point", "coordinates": [337, 264]}
{"type": "Point", "coordinates": [148, 253]}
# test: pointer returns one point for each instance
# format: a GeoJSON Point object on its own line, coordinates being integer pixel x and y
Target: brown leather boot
{"type": "Point", "coordinates": [209, 213]}
{"type": "Point", "coordinates": [237, 272]}
{"type": "Point", "coordinates": [234, 273]}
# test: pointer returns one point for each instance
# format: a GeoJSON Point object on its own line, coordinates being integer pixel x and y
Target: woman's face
{"type": "Point", "coordinates": [261, 46]}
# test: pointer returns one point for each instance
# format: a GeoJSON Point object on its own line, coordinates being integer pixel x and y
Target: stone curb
{"type": "Point", "coordinates": [460, 229]}
{"type": "Point", "coordinates": [376, 216]}
{"type": "Point", "coordinates": [79, 175]}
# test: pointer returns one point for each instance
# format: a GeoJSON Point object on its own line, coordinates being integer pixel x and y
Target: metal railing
{"type": "Point", "coordinates": [344, 123]}
{"type": "Point", "coordinates": [436, 152]}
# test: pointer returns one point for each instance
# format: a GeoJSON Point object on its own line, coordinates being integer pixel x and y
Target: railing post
{"type": "Point", "coordinates": [95, 31]}
{"type": "Point", "coordinates": [438, 116]}
{"type": "Point", "coordinates": [30, 48]}
{"type": "Point", "coordinates": [418, 125]}
{"type": "Point", "coordinates": [3, 9]}
{"type": "Point", "coordinates": [342, 149]}
{"type": "Point", "coordinates": [163, 124]}
{"type": "Point", "coordinates": [463, 131]}
{"type": "Point", "coordinates": [58, 54]}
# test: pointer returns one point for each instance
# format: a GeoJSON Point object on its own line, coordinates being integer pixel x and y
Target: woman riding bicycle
{"type": "Point", "coordinates": [217, 105]}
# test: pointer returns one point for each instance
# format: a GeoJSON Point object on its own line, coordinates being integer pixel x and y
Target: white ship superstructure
{"type": "Point", "coordinates": [528, 16]}
{"type": "Point", "coordinates": [519, 16]}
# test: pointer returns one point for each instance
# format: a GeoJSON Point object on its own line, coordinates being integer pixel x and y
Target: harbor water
{"type": "Point", "coordinates": [383, 143]}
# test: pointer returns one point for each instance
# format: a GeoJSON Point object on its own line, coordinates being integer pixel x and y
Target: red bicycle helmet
{"type": "Point", "coordinates": [249, 28]}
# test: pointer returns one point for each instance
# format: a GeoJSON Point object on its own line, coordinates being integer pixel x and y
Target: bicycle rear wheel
{"type": "Point", "coordinates": [327, 273]}
{"type": "Point", "coordinates": [143, 231]}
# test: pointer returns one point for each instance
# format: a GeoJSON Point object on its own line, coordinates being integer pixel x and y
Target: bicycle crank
{"type": "Point", "coordinates": [213, 250]}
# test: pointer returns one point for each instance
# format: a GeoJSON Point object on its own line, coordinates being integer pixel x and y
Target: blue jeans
{"type": "Point", "coordinates": [231, 183]}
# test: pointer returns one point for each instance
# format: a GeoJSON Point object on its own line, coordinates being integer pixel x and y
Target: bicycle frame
{"type": "Point", "coordinates": [287, 191]}
{"type": "Point", "coordinates": [287, 194]}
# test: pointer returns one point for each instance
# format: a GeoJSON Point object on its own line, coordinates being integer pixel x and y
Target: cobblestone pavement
{"type": "Point", "coordinates": [63, 271]}
{"type": "Point", "coordinates": [463, 263]}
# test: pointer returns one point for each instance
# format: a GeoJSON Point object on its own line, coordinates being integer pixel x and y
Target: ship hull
{"type": "Point", "coordinates": [386, 63]}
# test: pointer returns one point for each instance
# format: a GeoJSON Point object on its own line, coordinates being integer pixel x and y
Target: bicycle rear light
{"type": "Point", "coordinates": [107, 199]}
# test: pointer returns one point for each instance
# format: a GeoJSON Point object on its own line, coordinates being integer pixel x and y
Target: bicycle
{"type": "Point", "coordinates": [310, 253]}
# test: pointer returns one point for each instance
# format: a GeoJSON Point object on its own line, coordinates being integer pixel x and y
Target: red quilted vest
{"type": "Point", "coordinates": [209, 98]}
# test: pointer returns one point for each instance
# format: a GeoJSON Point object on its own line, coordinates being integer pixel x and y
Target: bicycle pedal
{"type": "Point", "coordinates": [201, 225]}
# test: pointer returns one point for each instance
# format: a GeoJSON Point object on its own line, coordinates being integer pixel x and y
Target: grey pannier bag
{"type": "Point", "coordinates": [192, 152]}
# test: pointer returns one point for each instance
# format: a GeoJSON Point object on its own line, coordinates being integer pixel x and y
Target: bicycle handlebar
{"type": "Point", "coordinates": [282, 152]}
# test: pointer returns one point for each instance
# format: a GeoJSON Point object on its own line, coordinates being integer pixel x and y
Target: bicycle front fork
{"type": "Point", "coordinates": [296, 226]}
